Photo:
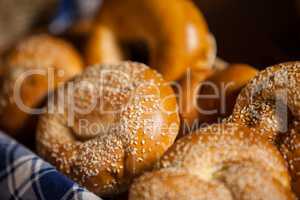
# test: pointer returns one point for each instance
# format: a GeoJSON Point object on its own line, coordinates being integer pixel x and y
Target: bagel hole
{"type": "Point", "coordinates": [137, 50]}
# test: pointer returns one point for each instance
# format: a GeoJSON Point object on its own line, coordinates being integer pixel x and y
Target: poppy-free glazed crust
{"type": "Point", "coordinates": [175, 33]}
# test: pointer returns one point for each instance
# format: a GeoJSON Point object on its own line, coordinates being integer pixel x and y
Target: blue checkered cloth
{"type": "Point", "coordinates": [25, 176]}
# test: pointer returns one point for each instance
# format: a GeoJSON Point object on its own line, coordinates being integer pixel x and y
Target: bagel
{"type": "Point", "coordinates": [270, 104]}
{"type": "Point", "coordinates": [174, 33]}
{"type": "Point", "coordinates": [189, 87]}
{"type": "Point", "coordinates": [136, 111]}
{"type": "Point", "coordinates": [223, 161]}
{"type": "Point", "coordinates": [188, 94]}
{"type": "Point", "coordinates": [218, 93]}
{"type": "Point", "coordinates": [26, 74]}
{"type": "Point", "coordinates": [208, 95]}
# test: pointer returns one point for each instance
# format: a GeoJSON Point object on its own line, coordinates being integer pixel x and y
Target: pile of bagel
{"type": "Point", "coordinates": [147, 111]}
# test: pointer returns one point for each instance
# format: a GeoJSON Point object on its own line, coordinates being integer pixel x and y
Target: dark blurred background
{"type": "Point", "coordinates": [257, 32]}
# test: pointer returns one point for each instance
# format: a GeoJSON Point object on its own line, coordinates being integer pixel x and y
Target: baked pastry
{"type": "Point", "coordinates": [217, 95]}
{"type": "Point", "coordinates": [172, 34]}
{"type": "Point", "coordinates": [35, 67]}
{"type": "Point", "coordinates": [270, 105]}
{"type": "Point", "coordinates": [109, 125]}
{"type": "Point", "coordinates": [223, 161]}
{"type": "Point", "coordinates": [208, 95]}
{"type": "Point", "coordinates": [188, 92]}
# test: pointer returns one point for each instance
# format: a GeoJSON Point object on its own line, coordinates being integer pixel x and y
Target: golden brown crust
{"type": "Point", "coordinates": [270, 105]}
{"type": "Point", "coordinates": [223, 87]}
{"type": "Point", "coordinates": [188, 93]}
{"type": "Point", "coordinates": [174, 184]}
{"type": "Point", "coordinates": [229, 160]}
{"type": "Point", "coordinates": [238, 181]}
{"type": "Point", "coordinates": [250, 181]}
{"type": "Point", "coordinates": [169, 28]}
{"type": "Point", "coordinates": [44, 56]}
{"type": "Point", "coordinates": [208, 95]}
{"type": "Point", "coordinates": [137, 114]}
{"type": "Point", "coordinates": [219, 144]}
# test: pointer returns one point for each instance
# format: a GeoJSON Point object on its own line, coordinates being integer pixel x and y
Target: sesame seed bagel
{"type": "Point", "coordinates": [34, 68]}
{"type": "Point", "coordinates": [270, 105]}
{"type": "Point", "coordinates": [170, 184]}
{"type": "Point", "coordinates": [174, 184]}
{"type": "Point", "coordinates": [223, 161]}
{"type": "Point", "coordinates": [174, 33]}
{"type": "Point", "coordinates": [108, 125]}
